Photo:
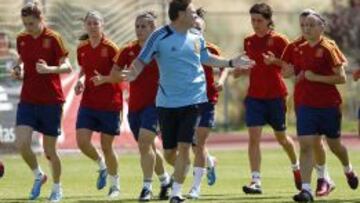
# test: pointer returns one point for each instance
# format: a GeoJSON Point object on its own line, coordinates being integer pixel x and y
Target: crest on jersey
{"type": "Point", "coordinates": [22, 43]}
{"type": "Point", "coordinates": [46, 43]}
{"type": "Point", "coordinates": [319, 53]}
{"type": "Point", "coordinates": [104, 52]}
{"type": "Point", "coordinates": [131, 53]}
{"type": "Point", "coordinates": [197, 45]}
{"type": "Point", "coordinates": [270, 42]}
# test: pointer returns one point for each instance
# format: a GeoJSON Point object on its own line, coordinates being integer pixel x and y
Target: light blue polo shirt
{"type": "Point", "coordinates": [179, 57]}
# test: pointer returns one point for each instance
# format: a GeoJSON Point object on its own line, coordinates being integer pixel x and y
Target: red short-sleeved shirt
{"type": "Point", "coordinates": [320, 59]}
{"type": "Point", "coordinates": [106, 97]}
{"type": "Point", "coordinates": [211, 90]}
{"type": "Point", "coordinates": [41, 88]}
{"type": "Point", "coordinates": [142, 90]}
{"type": "Point", "coordinates": [265, 81]}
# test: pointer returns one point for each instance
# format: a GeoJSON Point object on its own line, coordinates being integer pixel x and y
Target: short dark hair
{"type": "Point", "coordinates": [176, 6]}
{"type": "Point", "coordinates": [201, 12]}
{"type": "Point", "coordinates": [264, 10]}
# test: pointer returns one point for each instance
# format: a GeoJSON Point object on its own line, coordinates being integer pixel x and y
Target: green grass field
{"type": "Point", "coordinates": [79, 176]}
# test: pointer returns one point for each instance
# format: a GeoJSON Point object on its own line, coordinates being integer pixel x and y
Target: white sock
{"type": "Point", "coordinates": [176, 189]}
{"type": "Point", "coordinates": [255, 176]}
{"type": "Point", "coordinates": [164, 179]}
{"type": "Point", "coordinates": [306, 186]}
{"type": "Point", "coordinates": [56, 187]}
{"type": "Point", "coordinates": [101, 163]}
{"type": "Point", "coordinates": [210, 161]}
{"type": "Point", "coordinates": [198, 174]}
{"type": "Point", "coordinates": [295, 166]}
{"type": "Point", "coordinates": [38, 172]}
{"type": "Point", "coordinates": [322, 172]}
{"type": "Point", "coordinates": [147, 184]}
{"type": "Point", "coordinates": [114, 180]}
{"type": "Point", "coordinates": [348, 168]}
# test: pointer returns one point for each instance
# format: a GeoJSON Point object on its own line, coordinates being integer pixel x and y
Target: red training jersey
{"type": "Point", "coordinates": [320, 59]}
{"type": "Point", "coordinates": [105, 97]}
{"type": "Point", "coordinates": [41, 88]}
{"type": "Point", "coordinates": [142, 90]}
{"type": "Point", "coordinates": [265, 81]}
{"type": "Point", "coordinates": [212, 92]}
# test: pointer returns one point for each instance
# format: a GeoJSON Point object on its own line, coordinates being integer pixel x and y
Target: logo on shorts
{"type": "Point", "coordinates": [319, 53]}
{"type": "Point", "coordinates": [104, 52]}
{"type": "Point", "coordinates": [46, 43]}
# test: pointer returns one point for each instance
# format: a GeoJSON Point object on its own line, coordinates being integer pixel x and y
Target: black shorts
{"type": "Point", "coordinates": [178, 124]}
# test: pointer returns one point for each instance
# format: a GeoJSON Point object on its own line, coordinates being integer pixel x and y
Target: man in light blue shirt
{"type": "Point", "coordinates": [179, 52]}
{"type": "Point", "coordinates": [182, 79]}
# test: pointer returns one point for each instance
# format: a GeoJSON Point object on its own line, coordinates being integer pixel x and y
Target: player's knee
{"type": "Point", "coordinates": [144, 147]}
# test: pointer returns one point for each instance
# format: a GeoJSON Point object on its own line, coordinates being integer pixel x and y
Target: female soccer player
{"type": "Point", "coordinates": [207, 120]}
{"type": "Point", "coordinates": [100, 105]}
{"type": "Point", "coordinates": [265, 101]}
{"type": "Point", "coordinates": [143, 118]}
{"type": "Point", "coordinates": [44, 57]}
{"type": "Point", "coordinates": [290, 59]}
{"type": "Point", "coordinates": [319, 103]}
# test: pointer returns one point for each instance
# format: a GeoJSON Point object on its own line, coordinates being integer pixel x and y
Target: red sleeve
{"type": "Point", "coordinates": [332, 56]}
{"type": "Point", "coordinates": [245, 45]}
{"type": "Point", "coordinates": [78, 57]}
{"type": "Point", "coordinates": [18, 47]}
{"type": "Point", "coordinates": [122, 58]}
{"type": "Point", "coordinates": [60, 50]}
{"type": "Point", "coordinates": [281, 44]}
{"type": "Point", "coordinates": [287, 54]}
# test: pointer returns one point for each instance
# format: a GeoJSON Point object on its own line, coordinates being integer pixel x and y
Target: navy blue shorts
{"type": "Point", "coordinates": [318, 121]}
{"type": "Point", "coordinates": [359, 113]}
{"type": "Point", "coordinates": [178, 124]}
{"type": "Point", "coordinates": [45, 119]}
{"type": "Point", "coordinates": [107, 122]}
{"type": "Point", "coordinates": [207, 112]}
{"type": "Point", "coordinates": [146, 119]}
{"type": "Point", "coordinates": [260, 112]}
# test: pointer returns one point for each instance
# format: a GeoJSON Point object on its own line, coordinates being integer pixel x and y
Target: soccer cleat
{"type": "Point", "coordinates": [303, 196]}
{"type": "Point", "coordinates": [164, 191]}
{"type": "Point", "coordinates": [352, 180]}
{"type": "Point", "coordinates": [211, 173]}
{"type": "Point", "coordinates": [194, 193]}
{"type": "Point", "coordinates": [36, 189]}
{"type": "Point", "coordinates": [176, 199]}
{"type": "Point", "coordinates": [101, 181]}
{"type": "Point", "coordinates": [56, 196]}
{"type": "Point", "coordinates": [253, 188]}
{"type": "Point", "coordinates": [323, 187]}
{"type": "Point", "coordinates": [2, 169]}
{"type": "Point", "coordinates": [145, 195]}
{"type": "Point", "coordinates": [297, 179]}
{"type": "Point", "coordinates": [114, 192]}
